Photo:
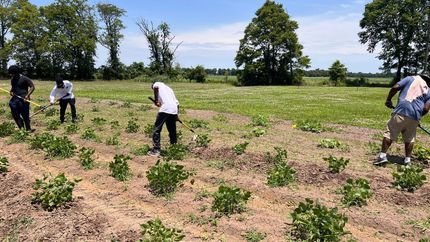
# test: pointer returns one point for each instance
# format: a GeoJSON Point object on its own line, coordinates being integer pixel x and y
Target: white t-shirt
{"type": "Point", "coordinates": [61, 92]}
{"type": "Point", "coordinates": [167, 99]}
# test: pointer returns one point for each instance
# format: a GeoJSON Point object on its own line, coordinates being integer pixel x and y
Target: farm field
{"type": "Point", "coordinates": [105, 209]}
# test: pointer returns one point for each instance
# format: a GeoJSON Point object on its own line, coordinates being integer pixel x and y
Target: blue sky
{"type": "Point", "coordinates": [210, 30]}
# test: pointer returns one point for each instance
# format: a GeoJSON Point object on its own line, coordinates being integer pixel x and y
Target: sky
{"type": "Point", "coordinates": [210, 30]}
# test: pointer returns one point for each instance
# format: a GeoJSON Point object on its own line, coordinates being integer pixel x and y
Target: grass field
{"type": "Point", "coordinates": [341, 105]}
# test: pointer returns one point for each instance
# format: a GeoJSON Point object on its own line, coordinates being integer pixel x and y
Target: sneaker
{"type": "Point", "coordinates": [154, 153]}
{"type": "Point", "coordinates": [380, 161]}
{"type": "Point", "coordinates": [406, 163]}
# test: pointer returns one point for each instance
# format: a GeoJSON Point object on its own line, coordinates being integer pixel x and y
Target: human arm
{"type": "Point", "coordinates": [393, 91]}
{"type": "Point", "coordinates": [426, 108]}
{"type": "Point", "coordinates": [53, 94]}
{"type": "Point", "coordinates": [157, 103]}
{"type": "Point", "coordinates": [32, 88]}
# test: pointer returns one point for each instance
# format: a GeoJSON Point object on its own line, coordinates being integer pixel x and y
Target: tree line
{"type": "Point", "coordinates": [62, 37]}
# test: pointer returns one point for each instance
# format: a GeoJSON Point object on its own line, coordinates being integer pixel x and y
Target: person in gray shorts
{"type": "Point", "coordinates": [412, 105]}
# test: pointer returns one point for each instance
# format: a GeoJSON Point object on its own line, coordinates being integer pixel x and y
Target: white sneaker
{"type": "Point", "coordinates": [380, 161]}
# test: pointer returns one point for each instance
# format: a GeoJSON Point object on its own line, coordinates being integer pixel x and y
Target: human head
{"type": "Point", "coordinates": [14, 70]}
{"type": "Point", "coordinates": [59, 81]}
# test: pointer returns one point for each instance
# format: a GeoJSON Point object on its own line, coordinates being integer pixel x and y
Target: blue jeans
{"type": "Point", "coordinates": [20, 112]}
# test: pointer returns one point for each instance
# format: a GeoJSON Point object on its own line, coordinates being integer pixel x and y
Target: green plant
{"type": "Point", "coordinates": [257, 132]}
{"type": "Point", "coordinates": [95, 109]}
{"type": "Point", "coordinates": [202, 140]}
{"type": "Point", "coordinates": [315, 222]}
{"type": "Point", "coordinates": [155, 231]}
{"type": "Point", "coordinates": [112, 140]}
{"type": "Point", "coordinates": [119, 167]}
{"type": "Point", "coordinates": [19, 136]}
{"type": "Point", "coordinates": [40, 141]}
{"type": "Point", "coordinates": [53, 124]}
{"type": "Point", "coordinates": [202, 220]}
{"type": "Point", "coordinates": [197, 123]}
{"type": "Point", "coordinates": [229, 200]}
{"type": "Point", "coordinates": [425, 239]}
{"type": "Point", "coordinates": [422, 153]}
{"type": "Point", "coordinates": [336, 165]}
{"type": "Point", "coordinates": [126, 104]}
{"type": "Point", "coordinates": [97, 121]}
{"type": "Point", "coordinates": [4, 164]}
{"type": "Point", "coordinates": [54, 192]}
{"type": "Point", "coordinates": [174, 152]}
{"type": "Point", "coordinates": [409, 178]}
{"type": "Point", "coordinates": [330, 143]}
{"type": "Point", "coordinates": [144, 108]}
{"type": "Point", "coordinates": [89, 134]}
{"type": "Point", "coordinates": [422, 224]}
{"type": "Point", "coordinates": [281, 175]}
{"type": "Point", "coordinates": [143, 150]}
{"type": "Point", "coordinates": [132, 127]}
{"type": "Point", "coordinates": [260, 120]}
{"type": "Point", "coordinates": [281, 155]}
{"type": "Point", "coordinates": [6, 129]}
{"type": "Point", "coordinates": [85, 157]}
{"type": "Point", "coordinates": [148, 130]}
{"type": "Point", "coordinates": [240, 148]}
{"type": "Point", "coordinates": [220, 118]}
{"type": "Point", "coordinates": [59, 148]}
{"type": "Point", "coordinates": [114, 124]}
{"type": "Point", "coordinates": [253, 235]}
{"type": "Point", "coordinates": [2, 111]}
{"type": "Point", "coordinates": [72, 129]}
{"type": "Point", "coordinates": [374, 148]}
{"type": "Point", "coordinates": [165, 177]}
{"type": "Point", "coordinates": [312, 126]}
{"type": "Point", "coordinates": [201, 194]}
{"type": "Point", "coordinates": [51, 112]}
{"type": "Point", "coordinates": [356, 193]}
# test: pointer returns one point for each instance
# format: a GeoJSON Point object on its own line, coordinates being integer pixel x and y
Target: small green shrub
{"type": "Point", "coordinates": [253, 235]}
{"type": "Point", "coordinates": [230, 200]}
{"type": "Point", "coordinates": [260, 120]}
{"type": "Point", "coordinates": [114, 124]}
{"type": "Point", "coordinates": [143, 150]}
{"type": "Point", "coordinates": [312, 126]}
{"type": "Point", "coordinates": [165, 177]}
{"type": "Point", "coordinates": [59, 148]}
{"type": "Point", "coordinates": [126, 104]}
{"type": "Point", "coordinates": [41, 141]}
{"type": "Point", "coordinates": [85, 158]}
{"type": "Point", "coordinates": [54, 192]}
{"type": "Point", "coordinates": [281, 175]}
{"type": "Point", "coordinates": [330, 143]}
{"type": "Point", "coordinates": [202, 140]}
{"type": "Point", "coordinates": [132, 127]}
{"type": "Point", "coordinates": [89, 134]}
{"type": "Point", "coordinates": [72, 129]}
{"type": "Point", "coordinates": [20, 136]}
{"type": "Point", "coordinates": [53, 124]}
{"type": "Point", "coordinates": [4, 164]}
{"type": "Point", "coordinates": [315, 222]}
{"type": "Point", "coordinates": [2, 111]}
{"type": "Point", "coordinates": [409, 178]}
{"type": "Point", "coordinates": [356, 193]}
{"type": "Point", "coordinates": [119, 167]}
{"type": "Point", "coordinates": [6, 129]}
{"type": "Point", "coordinates": [281, 155]}
{"type": "Point", "coordinates": [240, 148]}
{"type": "Point", "coordinates": [421, 153]}
{"type": "Point", "coordinates": [257, 132]}
{"type": "Point", "coordinates": [97, 121]}
{"type": "Point", "coordinates": [113, 140]}
{"type": "Point", "coordinates": [155, 231]}
{"type": "Point", "coordinates": [336, 165]}
{"type": "Point", "coordinates": [174, 152]}
{"type": "Point", "coordinates": [220, 118]}
{"type": "Point", "coordinates": [148, 130]}
{"type": "Point", "coordinates": [197, 123]}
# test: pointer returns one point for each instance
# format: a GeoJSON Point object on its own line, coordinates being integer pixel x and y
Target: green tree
{"type": "Point", "coordinates": [29, 42]}
{"type": "Point", "coordinates": [6, 14]}
{"type": "Point", "coordinates": [398, 27]}
{"type": "Point", "coordinates": [338, 73]}
{"type": "Point", "coordinates": [73, 34]}
{"type": "Point", "coordinates": [270, 52]}
{"type": "Point", "coordinates": [111, 36]}
{"type": "Point", "coordinates": [160, 46]}
{"type": "Point", "coordinates": [198, 74]}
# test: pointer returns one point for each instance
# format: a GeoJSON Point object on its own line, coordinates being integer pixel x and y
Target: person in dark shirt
{"type": "Point", "coordinates": [22, 88]}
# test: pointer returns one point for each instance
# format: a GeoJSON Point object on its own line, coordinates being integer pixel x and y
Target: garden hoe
{"type": "Point", "coordinates": [46, 107]}
{"type": "Point", "coordinates": [26, 100]}
{"type": "Point", "coordinates": [180, 121]}
{"type": "Point", "coordinates": [424, 129]}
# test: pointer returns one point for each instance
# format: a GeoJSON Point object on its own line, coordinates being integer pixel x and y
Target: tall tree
{"type": "Point", "coordinates": [73, 36]}
{"type": "Point", "coordinates": [270, 52]}
{"type": "Point", "coordinates": [6, 14]}
{"type": "Point", "coordinates": [338, 73]}
{"type": "Point", "coordinates": [160, 41]}
{"type": "Point", "coordinates": [29, 42]}
{"type": "Point", "coordinates": [111, 36]}
{"type": "Point", "coordinates": [397, 27]}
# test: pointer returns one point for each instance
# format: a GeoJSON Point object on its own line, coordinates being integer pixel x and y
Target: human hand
{"type": "Point", "coordinates": [157, 103]}
{"type": "Point", "coordinates": [389, 104]}
{"type": "Point", "coordinates": [27, 97]}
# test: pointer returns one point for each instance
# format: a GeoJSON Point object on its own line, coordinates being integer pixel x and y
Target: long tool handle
{"type": "Point", "coordinates": [186, 126]}
{"type": "Point", "coordinates": [45, 107]}
{"type": "Point", "coordinates": [26, 100]}
{"type": "Point", "coordinates": [424, 129]}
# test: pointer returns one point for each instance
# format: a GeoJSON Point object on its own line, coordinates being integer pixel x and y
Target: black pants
{"type": "Point", "coordinates": [170, 120]}
{"type": "Point", "coordinates": [20, 112]}
{"type": "Point", "coordinates": [63, 106]}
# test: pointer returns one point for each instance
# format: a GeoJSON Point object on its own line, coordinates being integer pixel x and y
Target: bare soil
{"type": "Point", "coordinates": [104, 209]}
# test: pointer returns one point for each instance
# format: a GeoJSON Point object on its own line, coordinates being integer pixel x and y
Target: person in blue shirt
{"type": "Point", "coordinates": [413, 103]}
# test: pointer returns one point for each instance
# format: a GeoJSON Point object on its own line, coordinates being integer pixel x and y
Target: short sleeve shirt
{"type": "Point", "coordinates": [414, 93]}
{"type": "Point", "coordinates": [20, 85]}
{"type": "Point", "coordinates": [167, 99]}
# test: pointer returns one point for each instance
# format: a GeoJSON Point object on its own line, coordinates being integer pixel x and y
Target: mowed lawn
{"type": "Point", "coordinates": [341, 105]}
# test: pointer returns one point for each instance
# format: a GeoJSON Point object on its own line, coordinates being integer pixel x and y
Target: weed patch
{"type": "Point", "coordinates": [53, 125]}
{"type": "Point", "coordinates": [197, 123]}
{"type": "Point", "coordinates": [71, 129]}
{"type": "Point", "coordinates": [119, 167]}
{"type": "Point", "coordinates": [260, 120]}
{"type": "Point", "coordinates": [132, 127]}
{"type": "Point", "coordinates": [85, 158]}
{"type": "Point", "coordinates": [89, 134]}
{"type": "Point", "coordinates": [202, 140]}
{"type": "Point", "coordinates": [282, 174]}
{"type": "Point", "coordinates": [409, 178]}
{"type": "Point", "coordinates": [336, 165]}
{"type": "Point", "coordinates": [19, 136]}
{"type": "Point", "coordinates": [4, 164]}
{"type": "Point", "coordinates": [230, 200]}
{"type": "Point", "coordinates": [148, 130]}
{"type": "Point", "coordinates": [356, 193]}
{"type": "Point", "coordinates": [143, 150]}
{"type": "Point", "coordinates": [312, 126]}
{"type": "Point", "coordinates": [253, 235]}
{"type": "Point", "coordinates": [6, 129]}
{"type": "Point", "coordinates": [154, 230]}
{"type": "Point", "coordinates": [174, 152]}
{"type": "Point", "coordinates": [240, 148]}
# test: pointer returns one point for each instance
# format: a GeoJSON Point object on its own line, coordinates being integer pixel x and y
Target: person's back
{"type": "Point", "coordinates": [167, 98]}
{"type": "Point", "coordinates": [414, 93]}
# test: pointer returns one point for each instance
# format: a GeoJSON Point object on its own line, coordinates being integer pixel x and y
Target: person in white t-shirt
{"type": "Point", "coordinates": [63, 90]}
{"type": "Point", "coordinates": [168, 113]}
